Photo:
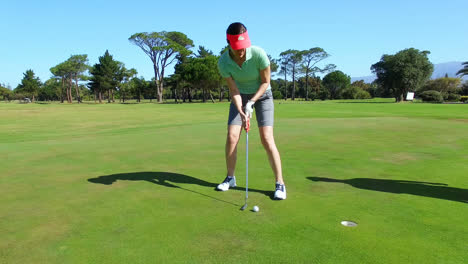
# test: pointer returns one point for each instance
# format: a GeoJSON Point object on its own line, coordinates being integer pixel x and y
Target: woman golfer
{"type": "Point", "coordinates": [246, 69]}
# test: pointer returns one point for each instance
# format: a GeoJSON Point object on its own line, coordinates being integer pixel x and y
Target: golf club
{"type": "Point", "coordinates": [247, 128]}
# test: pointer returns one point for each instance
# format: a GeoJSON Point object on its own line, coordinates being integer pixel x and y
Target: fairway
{"type": "Point", "coordinates": [135, 183]}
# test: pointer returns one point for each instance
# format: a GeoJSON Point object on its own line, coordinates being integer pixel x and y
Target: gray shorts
{"type": "Point", "coordinates": [264, 110]}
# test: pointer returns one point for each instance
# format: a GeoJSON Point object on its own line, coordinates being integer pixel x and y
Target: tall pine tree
{"type": "Point", "coordinates": [30, 85]}
{"type": "Point", "coordinates": [105, 76]}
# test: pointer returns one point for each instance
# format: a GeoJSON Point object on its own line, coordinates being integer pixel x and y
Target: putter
{"type": "Point", "coordinates": [247, 128]}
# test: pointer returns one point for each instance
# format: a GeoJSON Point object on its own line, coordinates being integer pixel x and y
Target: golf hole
{"type": "Point", "coordinates": [349, 223]}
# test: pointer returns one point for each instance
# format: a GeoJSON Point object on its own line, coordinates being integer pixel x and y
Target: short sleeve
{"type": "Point", "coordinates": [263, 60]}
{"type": "Point", "coordinates": [222, 68]}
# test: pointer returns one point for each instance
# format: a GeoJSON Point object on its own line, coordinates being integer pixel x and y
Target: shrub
{"type": "Point", "coordinates": [362, 94]}
{"type": "Point", "coordinates": [323, 94]}
{"type": "Point", "coordinates": [349, 92]}
{"type": "Point", "coordinates": [277, 95]}
{"type": "Point", "coordinates": [444, 85]}
{"type": "Point", "coordinates": [354, 92]}
{"type": "Point", "coordinates": [464, 98]}
{"type": "Point", "coordinates": [453, 97]}
{"type": "Point", "coordinates": [432, 96]}
{"type": "Point", "coordinates": [464, 89]}
{"type": "Point", "coordinates": [313, 96]}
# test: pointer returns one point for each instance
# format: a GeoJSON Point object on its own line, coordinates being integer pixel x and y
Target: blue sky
{"type": "Point", "coordinates": [38, 35]}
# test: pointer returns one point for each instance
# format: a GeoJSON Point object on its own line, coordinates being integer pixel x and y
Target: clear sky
{"type": "Point", "coordinates": [38, 35]}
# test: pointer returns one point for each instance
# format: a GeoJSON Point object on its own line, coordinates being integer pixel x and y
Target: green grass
{"type": "Point", "coordinates": [133, 183]}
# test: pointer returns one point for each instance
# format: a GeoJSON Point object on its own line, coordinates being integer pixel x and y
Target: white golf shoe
{"type": "Point", "coordinates": [280, 193]}
{"type": "Point", "coordinates": [227, 183]}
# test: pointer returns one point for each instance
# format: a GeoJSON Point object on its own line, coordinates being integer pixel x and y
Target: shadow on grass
{"type": "Point", "coordinates": [427, 189]}
{"type": "Point", "coordinates": [168, 179]}
{"type": "Point", "coordinates": [366, 102]}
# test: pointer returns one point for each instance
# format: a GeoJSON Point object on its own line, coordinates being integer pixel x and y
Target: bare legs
{"type": "Point", "coordinates": [232, 139]}
{"type": "Point", "coordinates": [268, 142]}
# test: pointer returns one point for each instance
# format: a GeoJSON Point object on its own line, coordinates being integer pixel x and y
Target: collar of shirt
{"type": "Point", "coordinates": [248, 56]}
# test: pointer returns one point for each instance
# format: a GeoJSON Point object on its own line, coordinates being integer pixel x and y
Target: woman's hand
{"type": "Point", "coordinates": [249, 108]}
{"type": "Point", "coordinates": [245, 120]}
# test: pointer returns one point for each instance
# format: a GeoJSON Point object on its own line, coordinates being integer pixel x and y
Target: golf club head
{"type": "Point", "coordinates": [244, 207]}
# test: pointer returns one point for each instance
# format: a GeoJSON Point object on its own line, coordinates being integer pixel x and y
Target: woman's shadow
{"type": "Point", "coordinates": [427, 189]}
{"type": "Point", "coordinates": [167, 179]}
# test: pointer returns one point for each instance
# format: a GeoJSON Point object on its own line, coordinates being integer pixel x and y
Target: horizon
{"type": "Point", "coordinates": [356, 35]}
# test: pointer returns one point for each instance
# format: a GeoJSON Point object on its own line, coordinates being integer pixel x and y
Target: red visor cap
{"type": "Point", "coordinates": [240, 41]}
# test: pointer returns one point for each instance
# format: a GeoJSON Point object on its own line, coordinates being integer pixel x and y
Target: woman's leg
{"type": "Point", "coordinates": [232, 139]}
{"type": "Point", "coordinates": [268, 141]}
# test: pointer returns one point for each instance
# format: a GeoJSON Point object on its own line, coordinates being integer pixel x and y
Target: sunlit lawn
{"type": "Point", "coordinates": [134, 183]}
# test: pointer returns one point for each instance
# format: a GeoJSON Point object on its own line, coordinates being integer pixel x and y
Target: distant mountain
{"type": "Point", "coordinates": [440, 69]}
{"type": "Point", "coordinates": [366, 79]}
{"type": "Point", "coordinates": [449, 68]}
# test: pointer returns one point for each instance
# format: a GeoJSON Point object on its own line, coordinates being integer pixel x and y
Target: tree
{"type": "Point", "coordinates": [125, 87]}
{"type": "Point", "coordinates": [29, 84]}
{"type": "Point", "coordinates": [6, 93]}
{"type": "Point", "coordinates": [464, 89]}
{"type": "Point", "coordinates": [203, 52]}
{"type": "Point", "coordinates": [106, 76]}
{"type": "Point", "coordinates": [323, 93]}
{"type": "Point", "coordinates": [314, 84]}
{"type": "Point", "coordinates": [62, 71]}
{"type": "Point", "coordinates": [275, 88]}
{"type": "Point", "coordinates": [446, 86]}
{"type": "Point", "coordinates": [284, 70]}
{"type": "Point", "coordinates": [361, 84]}
{"type": "Point", "coordinates": [279, 86]}
{"type": "Point", "coordinates": [69, 70]}
{"type": "Point", "coordinates": [354, 92]}
{"type": "Point", "coordinates": [226, 48]}
{"type": "Point", "coordinates": [336, 81]}
{"type": "Point", "coordinates": [273, 64]}
{"type": "Point", "coordinates": [464, 70]}
{"type": "Point", "coordinates": [139, 87]}
{"type": "Point", "coordinates": [162, 48]}
{"type": "Point", "coordinates": [201, 73]}
{"type": "Point", "coordinates": [310, 58]}
{"type": "Point", "coordinates": [78, 66]}
{"type": "Point", "coordinates": [50, 90]}
{"type": "Point", "coordinates": [405, 71]}
{"type": "Point", "coordinates": [290, 60]}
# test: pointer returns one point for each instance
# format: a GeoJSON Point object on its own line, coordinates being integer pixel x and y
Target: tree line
{"type": "Point", "coordinates": [196, 76]}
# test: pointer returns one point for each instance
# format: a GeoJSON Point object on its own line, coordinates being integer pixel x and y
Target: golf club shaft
{"type": "Point", "coordinates": [247, 167]}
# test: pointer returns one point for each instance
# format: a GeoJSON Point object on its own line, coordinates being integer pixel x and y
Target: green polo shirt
{"type": "Point", "coordinates": [247, 77]}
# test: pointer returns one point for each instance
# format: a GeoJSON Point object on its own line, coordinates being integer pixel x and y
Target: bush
{"type": "Point", "coordinates": [349, 92]}
{"type": "Point", "coordinates": [432, 96]}
{"type": "Point", "coordinates": [313, 96]}
{"type": "Point", "coordinates": [323, 94]}
{"type": "Point", "coordinates": [453, 97]}
{"type": "Point", "coordinates": [363, 95]}
{"type": "Point", "coordinates": [444, 85]}
{"type": "Point", "coordinates": [464, 98]}
{"type": "Point", "coordinates": [464, 89]}
{"type": "Point", "coordinates": [277, 95]}
{"type": "Point", "coordinates": [354, 92]}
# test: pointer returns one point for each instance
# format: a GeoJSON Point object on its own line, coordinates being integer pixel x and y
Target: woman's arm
{"type": "Point", "coordinates": [265, 78]}
{"type": "Point", "coordinates": [235, 95]}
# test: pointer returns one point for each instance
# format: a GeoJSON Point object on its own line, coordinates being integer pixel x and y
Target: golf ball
{"type": "Point", "coordinates": [256, 209]}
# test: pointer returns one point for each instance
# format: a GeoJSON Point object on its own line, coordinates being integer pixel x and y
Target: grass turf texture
{"type": "Point", "coordinates": [117, 183]}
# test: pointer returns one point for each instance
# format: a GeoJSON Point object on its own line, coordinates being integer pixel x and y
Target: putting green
{"type": "Point", "coordinates": [134, 183]}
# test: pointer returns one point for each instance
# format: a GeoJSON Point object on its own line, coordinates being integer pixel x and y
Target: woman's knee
{"type": "Point", "coordinates": [268, 141]}
{"type": "Point", "coordinates": [232, 138]}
